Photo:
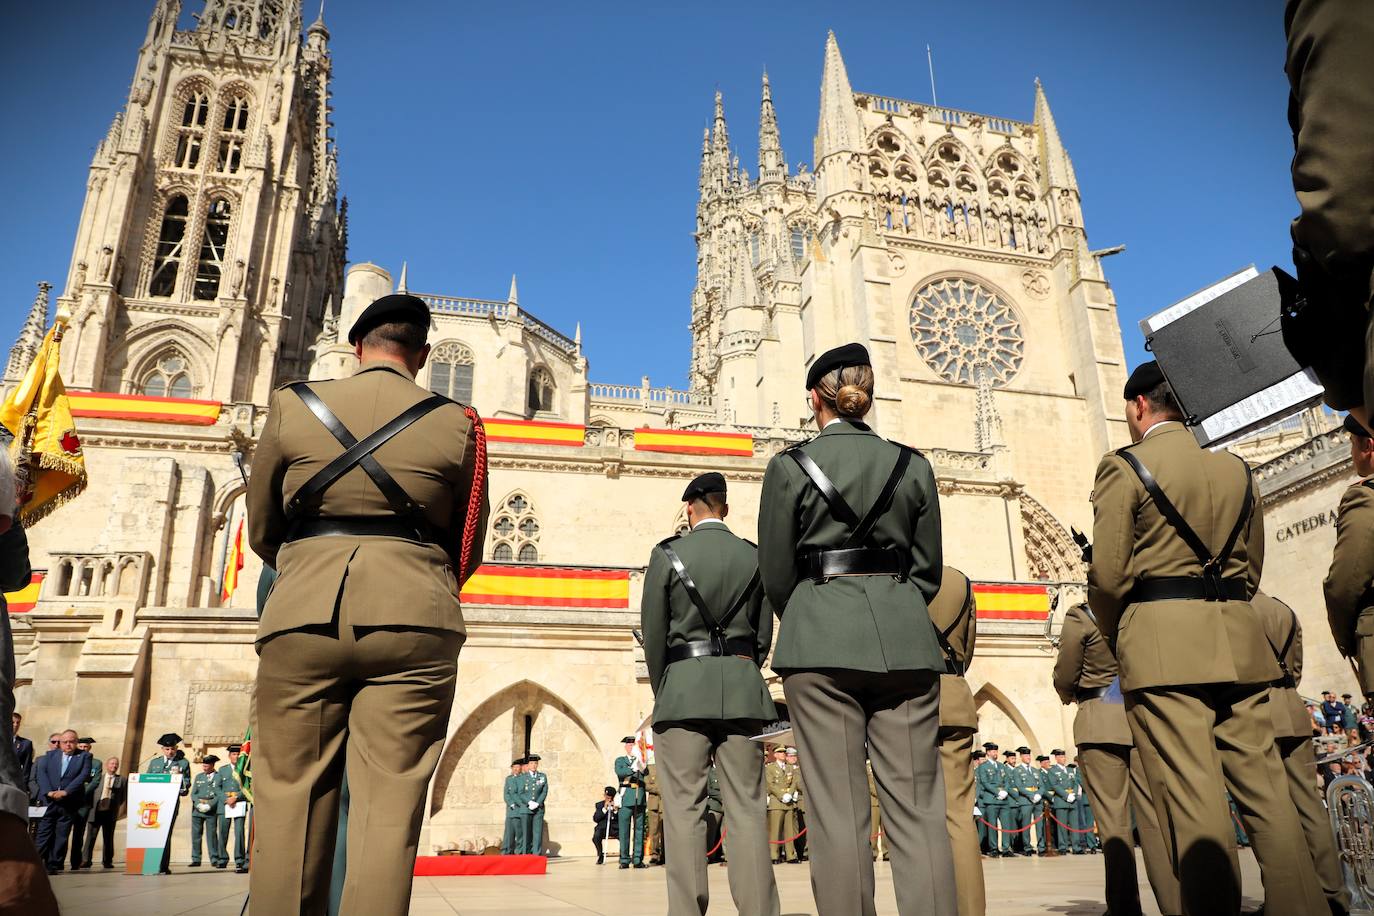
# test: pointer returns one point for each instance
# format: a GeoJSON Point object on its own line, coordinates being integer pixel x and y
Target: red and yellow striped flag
{"type": "Point", "coordinates": [694, 442]}
{"type": "Point", "coordinates": [1011, 602]}
{"type": "Point", "coordinates": [233, 565]}
{"type": "Point", "coordinates": [535, 432]}
{"type": "Point", "coordinates": [145, 408]}
{"type": "Point", "coordinates": [548, 586]}
{"type": "Point", "coordinates": [50, 468]}
{"type": "Point", "coordinates": [23, 600]}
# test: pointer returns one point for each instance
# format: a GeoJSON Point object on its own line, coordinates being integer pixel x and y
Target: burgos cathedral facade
{"type": "Point", "coordinates": [210, 265]}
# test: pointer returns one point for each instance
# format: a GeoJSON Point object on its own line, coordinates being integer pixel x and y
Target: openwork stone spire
{"type": "Point", "coordinates": [771, 158]}
{"type": "Point", "coordinates": [30, 336]}
{"type": "Point", "coordinates": [987, 424]}
{"type": "Point", "coordinates": [838, 130]}
{"type": "Point", "coordinates": [1058, 168]}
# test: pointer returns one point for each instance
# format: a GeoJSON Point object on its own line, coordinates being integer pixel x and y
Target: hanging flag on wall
{"type": "Point", "coordinates": [233, 565]}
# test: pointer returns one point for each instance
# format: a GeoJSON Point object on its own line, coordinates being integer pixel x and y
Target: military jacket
{"type": "Point", "coordinates": [513, 795]}
{"type": "Point", "coordinates": [1059, 782]}
{"type": "Point", "coordinates": [1085, 661]}
{"type": "Point", "coordinates": [1349, 585]}
{"type": "Point", "coordinates": [655, 799]}
{"type": "Point", "coordinates": [633, 782]}
{"type": "Point", "coordinates": [713, 791]}
{"type": "Point", "coordinates": [862, 623]}
{"type": "Point", "coordinates": [433, 461]}
{"type": "Point", "coordinates": [987, 779]}
{"type": "Point", "coordinates": [537, 785]}
{"type": "Point", "coordinates": [206, 797]}
{"type": "Point", "coordinates": [708, 687]}
{"type": "Point", "coordinates": [953, 611]}
{"type": "Point", "coordinates": [780, 781]}
{"type": "Point", "coordinates": [1023, 783]}
{"type": "Point", "coordinates": [161, 764]}
{"type": "Point", "coordinates": [1284, 633]}
{"type": "Point", "coordinates": [228, 783]}
{"type": "Point", "coordinates": [1176, 642]}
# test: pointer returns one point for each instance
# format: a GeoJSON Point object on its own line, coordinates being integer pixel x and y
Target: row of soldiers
{"type": "Point", "coordinates": [525, 793]}
{"type": "Point", "coordinates": [217, 802]}
{"type": "Point", "coordinates": [1016, 798]}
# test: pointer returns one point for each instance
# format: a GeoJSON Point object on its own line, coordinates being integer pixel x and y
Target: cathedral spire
{"type": "Point", "coordinates": [838, 130]}
{"type": "Point", "coordinates": [514, 296]}
{"type": "Point", "coordinates": [401, 284]}
{"type": "Point", "coordinates": [1058, 169]}
{"type": "Point", "coordinates": [720, 143]}
{"type": "Point", "coordinates": [771, 160]}
{"type": "Point", "coordinates": [704, 179]}
{"type": "Point", "coordinates": [30, 336]}
{"type": "Point", "coordinates": [329, 326]}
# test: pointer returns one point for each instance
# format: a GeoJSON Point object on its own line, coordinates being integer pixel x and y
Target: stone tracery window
{"type": "Point", "coordinates": [450, 371]}
{"type": "Point", "coordinates": [232, 135]}
{"type": "Point", "coordinates": [168, 377]}
{"type": "Point", "coordinates": [515, 532]}
{"type": "Point", "coordinates": [963, 330]}
{"type": "Point", "coordinates": [210, 263]}
{"type": "Point", "coordinates": [191, 133]}
{"type": "Point", "coordinates": [541, 389]}
{"type": "Point", "coordinates": [168, 256]}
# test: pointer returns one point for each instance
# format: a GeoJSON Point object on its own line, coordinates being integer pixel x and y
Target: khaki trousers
{"type": "Point", "coordinates": [956, 748]}
{"type": "Point", "coordinates": [1196, 742]}
{"type": "Point", "coordinates": [1114, 777]}
{"type": "Point", "coordinates": [782, 826]}
{"type": "Point", "coordinates": [683, 751]}
{"type": "Point", "coordinates": [1300, 763]}
{"type": "Point", "coordinates": [834, 711]}
{"type": "Point", "coordinates": [377, 698]}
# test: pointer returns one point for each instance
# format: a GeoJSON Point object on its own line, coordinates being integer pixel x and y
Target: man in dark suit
{"type": "Point", "coordinates": [23, 748]}
{"type": "Point", "coordinates": [62, 776]}
{"type": "Point", "coordinates": [105, 794]}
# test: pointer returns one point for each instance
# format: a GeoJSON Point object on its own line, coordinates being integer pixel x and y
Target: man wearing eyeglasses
{"type": "Point", "coordinates": [62, 775]}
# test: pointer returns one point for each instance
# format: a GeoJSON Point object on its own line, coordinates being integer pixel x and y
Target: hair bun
{"type": "Point", "coordinates": [852, 401]}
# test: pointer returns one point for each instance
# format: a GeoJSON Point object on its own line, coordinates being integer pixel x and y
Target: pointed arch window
{"type": "Point", "coordinates": [450, 371]}
{"type": "Point", "coordinates": [515, 533]}
{"type": "Point", "coordinates": [541, 390]}
{"type": "Point", "coordinates": [754, 248]}
{"type": "Point", "coordinates": [191, 135]}
{"type": "Point", "coordinates": [168, 256]}
{"type": "Point", "coordinates": [798, 243]}
{"type": "Point", "coordinates": [233, 134]}
{"type": "Point", "coordinates": [168, 378]}
{"type": "Point", "coordinates": [210, 263]}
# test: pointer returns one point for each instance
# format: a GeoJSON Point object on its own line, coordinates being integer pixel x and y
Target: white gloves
{"type": "Point", "coordinates": [1035, 799]}
{"type": "Point", "coordinates": [534, 806]}
{"type": "Point", "coordinates": [787, 798]}
{"type": "Point", "coordinates": [976, 812]}
{"type": "Point", "coordinates": [1072, 796]}
{"type": "Point", "coordinates": [1001, 794]}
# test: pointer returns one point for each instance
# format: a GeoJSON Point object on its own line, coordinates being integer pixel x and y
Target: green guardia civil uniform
{"type": "Point", "coordinates": [1059, 787]}
{"type": "Point", "coordinates": [182, 768]}
{"type": "Point", "coordinates": [513, 840]}
{"type": "Point", "coordinates": [1349, 585]}
{"type": "Point", "coordinates": [1178, 550]}
{"type": "Point", "coordinates": [1086, 819]}
{"type": "Point", "coordinates": [859, 657]}
{"type": "Point", "coordinates": [1023, 785]}
{"type": "Point", "coordinates": [525, 790]}
{"type": "Point", "coordinates": [632, 800]}
{"type": "Point", "coordinates": [537, 784]}
{"type": "Point", "coordinates": [987, 779]}
{"type": "Point", "coordinates": [709, 699]}
{"type": "Point", "coordinates": [228, 783]}
{"type": "Point", "coordinates": [206, 800]}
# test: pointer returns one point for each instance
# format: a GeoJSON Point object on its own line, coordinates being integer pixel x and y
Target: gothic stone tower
{"type": "Point", "coordinates": [211, 241]}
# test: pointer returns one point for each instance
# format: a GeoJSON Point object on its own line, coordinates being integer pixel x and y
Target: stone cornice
{"type": "Point", "coordinates": [1317, 462]}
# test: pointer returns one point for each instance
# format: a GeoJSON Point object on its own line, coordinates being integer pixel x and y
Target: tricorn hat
{"type": "Point", "coordinates": [533, 757]}
{"type": "Point", "coordinates": [628, 739]}
{"type": "Point", "coordinates": [234, 748]}
{"type": "Point", "coordinates": [1023, 750]}
{"type": "Point", "coordinates": [396, 307]}
{"type": "Point", "coordinates": [171, 739]}
{"type": "Point", "coordinates": [92, 740]}
{"type": "Point", "coordinates": [518, 761]}
{"type": "Point", "coordinates": [990, 746]}
{"type": "Point", "coordinates": [851, 354]}
{"type": "Point", "coordinates": [210, 759]}
{"type": "Point", "coordinates": [1057, 751]}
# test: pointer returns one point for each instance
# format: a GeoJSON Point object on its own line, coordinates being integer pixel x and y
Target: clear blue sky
{"type": "Point", "coordinates": [481, 140]}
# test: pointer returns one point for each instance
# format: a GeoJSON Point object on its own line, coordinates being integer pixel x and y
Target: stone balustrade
{"type": "Point", "coordinates": [117, 577]}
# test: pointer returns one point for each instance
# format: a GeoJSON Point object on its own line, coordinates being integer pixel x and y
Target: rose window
{"type": "Point", "coordinates": [963, 330]}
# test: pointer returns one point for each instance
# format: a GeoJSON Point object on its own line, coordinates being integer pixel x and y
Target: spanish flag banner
{"type": "Point", "coordinates": [1011, 602]}
{"type": "Point", "coordinates": [694, 442]}
{"type": "Point", "coordinates": [548, 586]}
{"type": "Point", "coordinates": [233, 565]}
{"type": "Point", "coordinates": [143, 408]}
{"type": "Point", "coordinates": [48, 463]}
{"type": "Point", "coordinates": [532, 432]}
{"type": "Point", "coordinates": [23, 600]}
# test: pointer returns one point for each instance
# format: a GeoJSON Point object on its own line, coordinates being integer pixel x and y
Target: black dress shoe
{"type": "Point", "coordinates": [193, 865]}
{"type": "Point", "coordinates": [623, 865]}
{"type": "Point", "coordinates": [165, 871]}
{"type": "Point", "coordinates": [600, 860]}
{"type": "Point", "coordinates": [640, 865]}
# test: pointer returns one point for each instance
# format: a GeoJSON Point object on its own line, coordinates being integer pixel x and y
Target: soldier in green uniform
{"type": "Point", "coordinates": [167, 762]}
{"type": "Point", "coordinates": [850, 554]}
{"type": "Point", "coordinates": [782, 806]}
{"type": "Point", "coordinates": [715, 817]}
{"type": "Point", "coordinates": [206, 799]}
{"type": "Point", "coordinates": [1059, 788]}
{"type": "Point", "coordinates": [1042, 808]}
{"type": "Point", "coordinates": [987, 777]}
{"type": "Point", "coordinates": [233, 794]}
{"type": "Point", "coordinates": [1024, 784]}
{"type": "Point", "coordinates": [1178, 550]}
{"type": "Point", "coordinates": [526, 790]}
{"type": "Point", "coordinates": [629, 770]}
{"type": "Point", "coordinates": [706, 634]}
{"type": "Point", "coordinates": [513, 840]}
{"type": "Point", "coordinates": [1348, 591]}
{"type": "Point", "coordinates": [537, 784]}
{"type": "Point", "coordinates": [1091, 842]}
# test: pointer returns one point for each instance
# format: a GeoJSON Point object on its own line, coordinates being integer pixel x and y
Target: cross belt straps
{"type": "Point", "coordinates": [860, 529]}
{"type": "Point", "coordinates": [717, 627]}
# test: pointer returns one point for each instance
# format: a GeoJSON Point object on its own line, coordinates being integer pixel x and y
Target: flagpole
{"type": "Point", "coordinates": [930, 62]}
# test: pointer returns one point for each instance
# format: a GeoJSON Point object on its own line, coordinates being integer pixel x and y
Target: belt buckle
{"type": "Point", "coordinates": [1211, 583]}
{"type": "Point", "coordinates": [718, 643]}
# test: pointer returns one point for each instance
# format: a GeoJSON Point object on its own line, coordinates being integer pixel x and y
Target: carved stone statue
{"type": "Point", "coordinates": [236, 281]}
{"type": "Point", "coordinates": [143, 91]}
{"type": "Point", "coordinates": [106, 259]}
{"type": "Point", "coordinates": [78, 279]}
{"type": "Point", "coordinates": [274, 102]}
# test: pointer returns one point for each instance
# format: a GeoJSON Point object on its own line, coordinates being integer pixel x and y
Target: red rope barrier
{"type": "Point", "coordinates": [719, 843]}
{"type": "Point", "coordinates": [1018, 829]}
{"type": "Point", "coordinates": [1070, 829]}
{"type": "Point", "coordinates": [712, 851]}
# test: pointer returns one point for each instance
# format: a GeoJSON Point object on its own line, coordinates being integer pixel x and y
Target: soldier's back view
{"type": "Point", "coordinates": [1178, 547]}
{"type": "Point", "coordinates": [367, 495]}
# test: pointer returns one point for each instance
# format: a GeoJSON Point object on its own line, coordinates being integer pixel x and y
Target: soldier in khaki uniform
{"type": "Point", "coordinates": [358, 643]}
{"type": "Point", "coordinates": [1178, 548]}
{"type": "Point", "coordinates": [849, 549]}
{"type": "Point", "coordinates": [653, 811]}
{"type": "Point", "coordinates": [706, 634]}
{"type": "Point", "coordinates": [1349, 586]}
{"type": "Point", "coordinates": [955, 617]}
{"type": "Point", "coordinates": [1111, 768]}
{"type": "Point", "coordinates": [1293, 736]}
{"type": "Point", "coordinates": [782, 806]}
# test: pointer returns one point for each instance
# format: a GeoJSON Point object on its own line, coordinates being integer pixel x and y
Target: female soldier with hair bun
{"type": "Point", "coordinates": [849, 552]}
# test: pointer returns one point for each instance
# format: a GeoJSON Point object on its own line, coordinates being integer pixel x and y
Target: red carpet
{"type": "Point", "coordinates": [435, 866]}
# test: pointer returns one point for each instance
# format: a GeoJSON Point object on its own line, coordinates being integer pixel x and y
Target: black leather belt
{"type": "Point", "coordinates": [1285, 683]}
{"type": "Point", "coordinates": [361, 527]}
{"type": "Point", "coordinates": [1204, 588]}
{"type": "Point", "coordinates": [819, 565]}
{"type": "Point", "coordinates": [1084, 694]}
{"type": "Point", "coordinates": [711, 647]}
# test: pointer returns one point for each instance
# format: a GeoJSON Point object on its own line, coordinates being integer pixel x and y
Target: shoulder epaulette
{"type": "Point", "coordinates": [902, 445]}
{"type": "Point", "coordinates": [668, 540]}
{"type": "Point", "coordinates": [1366, 483]}
{"type": "Point", "coordinates": [796, 445]}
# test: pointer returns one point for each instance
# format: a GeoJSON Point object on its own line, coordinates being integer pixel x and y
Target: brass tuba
{"type": "Point", "coordinates": [1350, 802]}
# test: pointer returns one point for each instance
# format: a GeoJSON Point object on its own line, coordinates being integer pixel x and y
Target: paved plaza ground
{"type": "Point", "coordinates": [1016, 887]}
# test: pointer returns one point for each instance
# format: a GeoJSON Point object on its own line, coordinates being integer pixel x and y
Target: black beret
{"type": "Point", "coordinates": [1144, 379]}
{"type": "Point", "coordinates": [85, 741]}
{"type": "Point", "coordinates": [1023, 750]}
{"type": "Point", "coordinates": [171, 739]}
{"type": "Point", "coordinates": [990, 745]}
{"type": "Point", "coordinates": [851, 354]}
{"type": "Point", "coordinates": [396, 307]}
{"type": "Point", "coordinates": [234, 748]}
{"type": "Point", "coordinates": [210, 759]}
{"type": "Point", "coordinates": [533, 757]}
{"type": "Point", "coordinates": [710, 482]}
{"type": "Point", "coordinates": [1353, 427]}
